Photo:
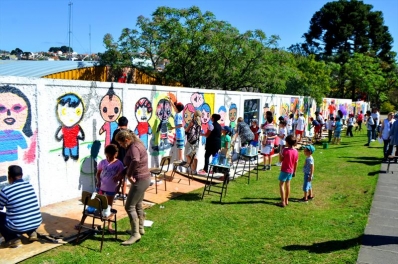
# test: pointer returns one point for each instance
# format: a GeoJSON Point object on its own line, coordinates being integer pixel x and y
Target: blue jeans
{"type": "Point", "coordinates": [7, 233]}
{"type": "Point", "coordinates": [370, 134]}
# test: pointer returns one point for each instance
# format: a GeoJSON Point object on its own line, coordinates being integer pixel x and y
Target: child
{"type": "Point", "coordinates": [267, 149]}
{"type": "Point", "coordinates": [107, 170]}
{"type": "Point", "coordinates": [256, 131]}
{"type": "Point", "coordinates": [180, 135]}
{"type": "Point", "coordinates": [288, 169]}
{"type": "Point", "coordinates": [308, 173]}
{"type": "Point", "coordinates": [337, 131]}
{"type": "Point", "coordinates": [282, 135]}
{"type": "Point", "coordinates": [330, 127]}
{"type": "Point", "coordinates": [226, 142]}
{"type": "Point", "coordinates": [317, 127]}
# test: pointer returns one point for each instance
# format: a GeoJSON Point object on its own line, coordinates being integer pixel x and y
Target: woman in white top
{"type": "Point", "coordinates": [385, 133]}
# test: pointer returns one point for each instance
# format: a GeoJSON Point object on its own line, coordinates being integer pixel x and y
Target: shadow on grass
{"type": "Point", "coordinates": [374, 173]}
{"type": "Point", "coordinates": [188, 197]}
{"type": "Point", "coordinates": [326, 247]}
{"type": "Point", "coordinates": [250, 200]}
{"type": "Point", "coordinates": [362, 158]}
{"type": "Point", "coordinates": [369, 163]}
{"type": "Point", "coordinates": [336, 245]}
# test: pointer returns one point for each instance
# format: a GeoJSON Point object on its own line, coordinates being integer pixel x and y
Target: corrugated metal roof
{"type": "Point", "coordinates": [26, 68]}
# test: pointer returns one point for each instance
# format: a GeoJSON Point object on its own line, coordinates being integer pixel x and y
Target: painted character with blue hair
{"type": "Point", "coordinates": [70, 111]}
{"type": "Point", "coordinates": [206, 119]}
{"type": "Point", "coordinates": [233, 111]}
{"type": "Point", "coordinates": [222, 111]}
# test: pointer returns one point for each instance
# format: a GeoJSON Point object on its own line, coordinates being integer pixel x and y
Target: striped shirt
{"type": "Point", "coordinates": [23, 212]}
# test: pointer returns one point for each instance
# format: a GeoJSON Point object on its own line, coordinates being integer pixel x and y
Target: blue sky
{"type": "Point", "coordinates": [37, 25]}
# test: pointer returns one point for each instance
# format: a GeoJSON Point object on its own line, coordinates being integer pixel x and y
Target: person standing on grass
{"type": "Point", "coordinates": [376, 120]}
{"type": "Point", "coordinates": [22, 213]}
{"type": "Point", "coordinates": [385, 133]}
{"type": "Point", "coordinates": [213, 141]}
{"type": "Point", "coordinates": [289, 125]}
{"type": "Point", "coordinates": [338, 126]}
{"type": "Point", "coordinates": [107, 173]}
{"type": "Point", "coordinates": [330, 126]}
{"type": "Point", "coordinates": [288, 169]}
{"type": "Point", "coordinates": [138, 175]}
{"type": "Point", "coordinates": [369, 126]}
{"type": "Point", "coordinates": [360, 120]}
{"type": "Point", "coordinates": [267, 146]}
{"type": "Point", "coordinates": [350, 125]}
{"type": "Point", "coordinates": [282, 136]}
{"type": "Point", "coordinates": [300, 127]}
{"type": "Point", "coordinates": [308, 170]}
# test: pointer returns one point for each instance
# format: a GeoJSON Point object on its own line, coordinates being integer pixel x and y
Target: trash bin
{"type": "Point", "coordinates": [325, 145]}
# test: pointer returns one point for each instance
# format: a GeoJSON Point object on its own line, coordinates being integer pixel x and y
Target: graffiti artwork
{"type": "Point", "coordinates": [163, 112]}
{"type": "Point", "coordinates": [15, 123]}
{"type": "Point", "coordinates": [143, 112]}
{"type": "Point", "coordinates": [110, 109]}
{"type": "Point", "coordinates": [70, 111]}
{"type": "Point", "coordinates": [233, 115]}
{"type": "Point", "coordinates": [188, 114]}
{"type": "Point", "coordinates": [222, 111]}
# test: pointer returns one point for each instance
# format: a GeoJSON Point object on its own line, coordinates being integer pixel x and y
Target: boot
{"type": "Point", "coordinates": [141, 221]}
{"type": "Point", "coordinates": [135, 236]}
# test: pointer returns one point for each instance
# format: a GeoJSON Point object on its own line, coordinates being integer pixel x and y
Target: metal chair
{"type": "Point", "coordinates": [185, 165]}
{"type": "Point", "coordinates": [161, 171]}
{"type": "Point", "coordinates": [99, 203]}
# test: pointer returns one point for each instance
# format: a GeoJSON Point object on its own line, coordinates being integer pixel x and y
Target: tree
{"type": "Point", "coordinates": [342, 28]}
{"type": "Point", "coordinates": [17, 51]}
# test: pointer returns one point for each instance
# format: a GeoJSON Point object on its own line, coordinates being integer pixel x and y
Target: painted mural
{"type": "Point", "coordinates": [70, 111]}
{"type": "Point", "coordinates": [143, 113]}
{"type": "Point", "coordinates": [233, 116]}
{"type": "Point", "coordinates": [222, 111]}
{"type": "Point", "coordinates": [110, 108]}
{"type": "Point", "coordinates": [15, 125]}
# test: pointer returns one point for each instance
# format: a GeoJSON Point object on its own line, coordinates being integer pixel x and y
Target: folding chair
{"type": "Point", "coordinates": [157, 172]}
{"type": "Point", "coordinates": [185, 165]}
{"type": "Point", "coordinates": [99, 202]}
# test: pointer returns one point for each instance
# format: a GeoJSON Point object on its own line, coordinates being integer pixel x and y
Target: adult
{"type": "Point", "coordinates": [22, 209]}
{"type": "Point", "coordinates": [385, 133]}
{"type": "Point", "coordinates": [244, 132]}
{"type": "Point", "coordinates": [122, 123]}
{"type": "Point", "coordinates": [300, 127]}
{"type": "Point", "coordinates": [192, 146]}
{"type": "Point", "coordinates": [138, 175]}
{"type": "Point", "coordinates": [376, 118]}
{"type": "Point", "coordinates": [178, 126]}
{"type": "Point", "coordinates": [321, 121]}
{"type": "Point", "coordinates": [369, 126]}
{"type": "Point", "coordinates": [289, 125]}
{"type": "Point", "coordinates": [213, 141]}
{"type": "Point", "coordinates": [360, 120]}
{"type": "Point", "coordinates": [394, 138]}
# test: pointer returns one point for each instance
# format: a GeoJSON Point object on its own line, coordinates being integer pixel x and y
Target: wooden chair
{"type": "Point", "coordinates": [185, 165]}
{"type": "Point", "coordinates": [161, 171]}
{"type": "Point", "coordinates": [99, 203]}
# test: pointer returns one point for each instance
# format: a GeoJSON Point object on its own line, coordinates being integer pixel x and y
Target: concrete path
{"type": "Point", "coordinates": [380, 240]}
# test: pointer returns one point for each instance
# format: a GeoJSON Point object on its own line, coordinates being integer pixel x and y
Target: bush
{"type": "Point", "coordinates": [387, 107]}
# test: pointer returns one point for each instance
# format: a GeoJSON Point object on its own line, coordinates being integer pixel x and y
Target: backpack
{"type": "Point", "coordinates": [194, 133]}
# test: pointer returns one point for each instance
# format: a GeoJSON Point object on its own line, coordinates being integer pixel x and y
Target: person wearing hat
{"type": "Point", "coordinates": [123, 123]}
{"type": "Point", "coordinates": [394, 138]}
{"type": "Point", "coordinates": [22, 209]}
{"type": "Point", "coordinates": [308, 170]}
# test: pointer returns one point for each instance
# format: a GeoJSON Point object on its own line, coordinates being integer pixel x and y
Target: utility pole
{"type": "Point", "coordinates": [70, 18]}
{"type": "Point", "coordinates": [89, 34]}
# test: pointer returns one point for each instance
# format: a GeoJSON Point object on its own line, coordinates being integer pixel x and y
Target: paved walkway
{"type": "Point", "coordinates": [380, 240]}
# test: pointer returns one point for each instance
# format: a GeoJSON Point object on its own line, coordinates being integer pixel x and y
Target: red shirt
{"type": "Point", "coordinates": [360, 117]}
{"type": "Point", "coordinates": [255, 132]}
{"type": "Point", "coordinates": [290, 159]}
{"type": "Point", "coordinates": [70, 136]}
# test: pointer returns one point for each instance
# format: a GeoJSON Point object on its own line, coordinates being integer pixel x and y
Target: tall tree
{"type": "Point", "coordinates": [341, 28]}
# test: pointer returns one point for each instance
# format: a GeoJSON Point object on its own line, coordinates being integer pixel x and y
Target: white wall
{"type": "Point", "coordinates": [42, 160]}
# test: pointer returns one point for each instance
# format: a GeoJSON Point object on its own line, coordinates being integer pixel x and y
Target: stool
{"type": "Point", "coordinates": [209, 180]}
{"type": "Point", "coordinates": [246, 158]}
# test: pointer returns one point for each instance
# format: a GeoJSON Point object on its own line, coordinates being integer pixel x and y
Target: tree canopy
{"type": "Point", "coordinates": [341, 28]}
{"type": "Point", "coordinates": [64, 49]}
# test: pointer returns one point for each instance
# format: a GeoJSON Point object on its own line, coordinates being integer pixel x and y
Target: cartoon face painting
{"type": "Point", "coordinates": [15, 121]}
{"type": "Point", "coordinates": [197, 100]}
{"type": "Point", "coordinates": [143, 112]}
{"type": "Point", "coordinates": [222, 111]}
{"type": "Point", "coordinates": [232, 114]}
{"type": "Point", "coordinates": [110, 109]}
{"type": "Point", "coordinates": [163, 110]}
{"type": "Point", "coordinates": [188, 113]}
{"type": "Point", "coordinates": [205, 109]}
{"type": "Point", "coordinates": [70, 111]}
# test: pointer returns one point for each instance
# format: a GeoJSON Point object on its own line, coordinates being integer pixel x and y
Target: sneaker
{"type": "Point", "coordinates": [278, 164]}
{"type": "Point", "coordinates": [264, 168]}
{"type": "Point", "coordinates": [122, 197]}
{"type": "Point", "coordinates": [372, 140]}
{"type": "Point", "coordinates": [310, 197]}
{"type": "Point", "coordinates": [14, 243]}
{"type": "Point", "coordinates": [303, 200]}
{"type": "Point", "coordinates": [366, 145]}
{"type": "Point", "coordinates": [268, 167]}
{"type": "Point", "coordinates": [202, 172]}
{"type": "Point", "coordinates": [33, 237]}
{"type": "Point", "coordinates": [194, 172]}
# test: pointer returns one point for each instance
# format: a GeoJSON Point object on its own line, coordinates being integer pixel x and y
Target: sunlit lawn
{"type": "Point", "coordinates": [248, 227]}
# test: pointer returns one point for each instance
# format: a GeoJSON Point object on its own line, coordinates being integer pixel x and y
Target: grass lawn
{"type": "Point", "coordinates": [248, 227]}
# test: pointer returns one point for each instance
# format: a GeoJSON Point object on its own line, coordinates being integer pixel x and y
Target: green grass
{"type": "Point", "coordinates": [248, 227]}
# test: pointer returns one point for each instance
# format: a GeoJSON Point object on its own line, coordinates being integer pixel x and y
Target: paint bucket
{"type": "Point", "coordinates": [325, 145]}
